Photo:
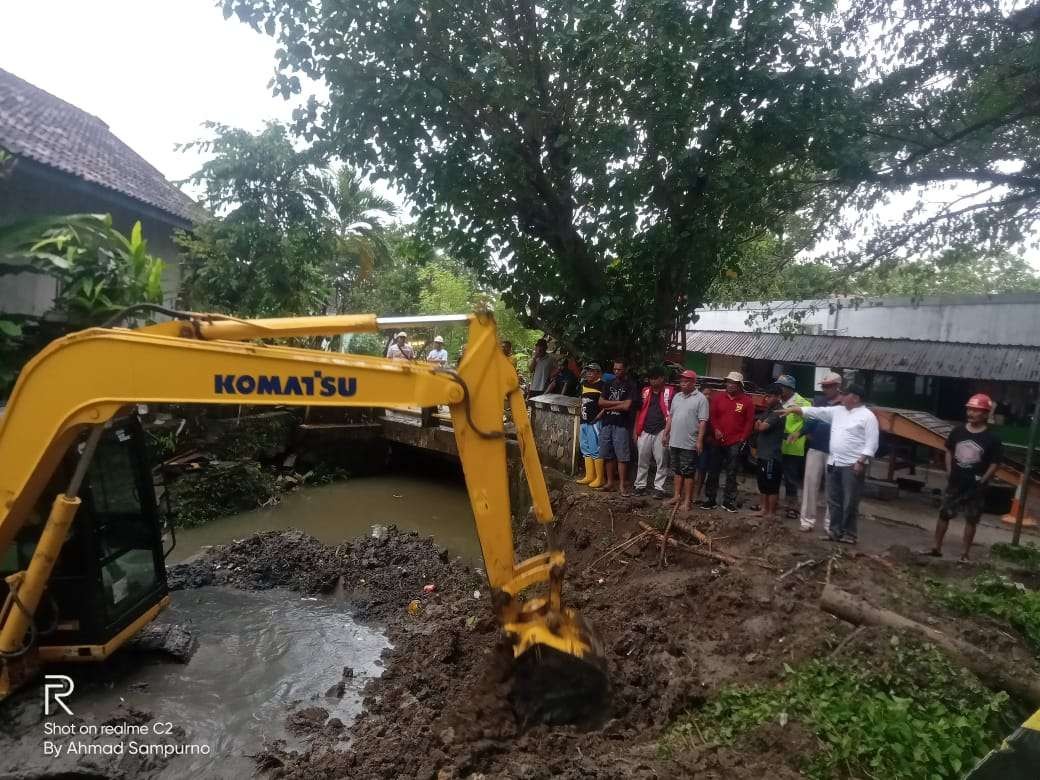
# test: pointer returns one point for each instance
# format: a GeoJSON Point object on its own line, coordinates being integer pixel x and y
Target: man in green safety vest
{"type": "Point", "coordinates": [793, 448]}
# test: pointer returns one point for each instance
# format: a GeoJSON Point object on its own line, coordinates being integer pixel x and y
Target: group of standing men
{"type": "Point", "coordinates": [400, 349]}
{"type": "Point", "coordinates": [800, 444]}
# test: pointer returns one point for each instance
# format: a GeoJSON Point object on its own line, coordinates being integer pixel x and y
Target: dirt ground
{"type": "Point", "coordinates": [673, 635]}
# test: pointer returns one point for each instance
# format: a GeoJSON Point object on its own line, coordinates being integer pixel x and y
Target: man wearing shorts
{"type": "Point", "coordinates": [619, 401]}
{"type": "Point", "coordinates": [768, 452]}
{"type": "Point", "coordinates": [684, 435]}
{"type": "Point", "coordinates": [591, 390]}
{"type": "Point", "coordinates": [973, 453]}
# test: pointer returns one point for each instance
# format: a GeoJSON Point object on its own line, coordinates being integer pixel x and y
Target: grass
{"type": "Point", "coordinates": [905, 713]}
{"type": "Point", "coordinates": [1027, 555]}
{"type": "Point", "coordinates": [999, 597]}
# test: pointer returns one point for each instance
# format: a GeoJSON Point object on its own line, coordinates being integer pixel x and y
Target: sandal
{"type": "Point", "coordinates": [792, 514]}
{"type": "Point", "coordinates": [848, 540]}
{"type": "Point", "coordinates": [933, 553]}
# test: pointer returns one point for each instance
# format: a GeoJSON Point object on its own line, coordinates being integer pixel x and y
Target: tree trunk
{"type": "Point", "coordinates": [994, 672]}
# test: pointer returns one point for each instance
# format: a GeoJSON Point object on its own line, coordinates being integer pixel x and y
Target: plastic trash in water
{"type": "Point", "coordinates": [430, 588]}
{"type": "Point", "coordinates": [414, 607]}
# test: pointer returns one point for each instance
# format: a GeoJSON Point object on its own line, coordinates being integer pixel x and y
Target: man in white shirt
{"type": "Point", "coordinates": [399, 348]}
{"type": "Point", "coordinates": [438, 354]}
{"type": "Point", "coordinates": [853, 442]}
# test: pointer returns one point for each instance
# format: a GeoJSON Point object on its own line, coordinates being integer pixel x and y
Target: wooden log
{"type": "Point", "coordinates": [992, 671]}
{"type": "Point", "coordinates": [688, 528]}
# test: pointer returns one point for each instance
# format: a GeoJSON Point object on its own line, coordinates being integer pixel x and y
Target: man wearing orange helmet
{"type": "Point", "coordinates": [972, 455]}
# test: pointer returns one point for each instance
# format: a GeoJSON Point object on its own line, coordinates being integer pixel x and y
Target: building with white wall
{"type": "Point", "coordinates": [928, 354]}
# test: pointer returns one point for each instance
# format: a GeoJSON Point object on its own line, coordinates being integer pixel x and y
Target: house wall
{"type": "Point", "coordinates": [720, 365]}
{"type": "Point", "coordinates": [24, 194]}
{"type": "Point", "coordinates": [980, 319]}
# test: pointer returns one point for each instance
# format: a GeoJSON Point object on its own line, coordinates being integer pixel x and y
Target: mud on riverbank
{"type": "Point", "coordinates": [673, 636]}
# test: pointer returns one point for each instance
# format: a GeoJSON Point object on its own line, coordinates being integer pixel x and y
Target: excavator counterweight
{"type": "Point", "coordinates": [56, 544]}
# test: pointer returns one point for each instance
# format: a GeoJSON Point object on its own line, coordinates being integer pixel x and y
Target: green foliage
{"type": "Point", "coordinates": [1027, 554]}
{"type": "Point", "coordinates": [949, 89]}
{"type": "Point", "coordinates": [274, 248]}
{"type": "Point", "coordinates": [766, 276]}
{"type": "Point", "coordinates": [160, 444]}
{"type": "Point", "coordinates": [999, 597]}
{"type": "Point", "coordinates": [602, 164]}
{"type": "Point", "coordinates": [252, 438]}
{"type": "Point", "coordinates": [597, 163]}
{"type": "Point", "coordinates": [907, 715]}
{"type": "Point", "coordinates": [420, 280]}
{"type": "Point", "coordinates": [98, 270]}
{"type": "Point", "coordinates": [223, 488]}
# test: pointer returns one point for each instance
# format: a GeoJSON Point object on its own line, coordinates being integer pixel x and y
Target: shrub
{"type": "Point", "coordinates": [909, 714]}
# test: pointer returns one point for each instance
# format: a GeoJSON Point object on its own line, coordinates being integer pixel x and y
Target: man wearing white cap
{"type": "Point", "coordinates": [438, 354]}
{"type": "Point", "coordinates": [399, 348]}
{"type": "Point", "coordinates": [819, 433]}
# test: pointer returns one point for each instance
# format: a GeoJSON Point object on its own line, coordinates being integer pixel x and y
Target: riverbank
{"type": "Point", "coordinates": [678, 637]}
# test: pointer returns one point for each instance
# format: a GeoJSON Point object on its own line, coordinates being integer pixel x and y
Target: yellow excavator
{"type": "Point", "coordinates": [81, 550]}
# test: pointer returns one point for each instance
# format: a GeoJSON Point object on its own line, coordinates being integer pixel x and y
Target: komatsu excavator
{"type": "Point", "coordinates": [81, 548]}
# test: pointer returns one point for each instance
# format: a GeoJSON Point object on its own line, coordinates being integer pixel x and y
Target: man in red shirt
{"type": "Point", "coordinates": [732, 416]}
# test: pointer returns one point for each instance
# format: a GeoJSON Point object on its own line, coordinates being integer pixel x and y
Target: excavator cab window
{"type": "Point", "coordinates": [111, 568]}
{"type": "Point", "coordinates": [125, 524]}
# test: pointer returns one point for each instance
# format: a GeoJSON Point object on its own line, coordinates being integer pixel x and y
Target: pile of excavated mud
{"type": "Point", "coordinates": [673, 634]}
{"type": "Point", "coordinates": [380, 575]}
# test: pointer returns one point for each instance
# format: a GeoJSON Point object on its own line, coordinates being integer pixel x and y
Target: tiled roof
{"type": "Point", "coordinates": [41, 127]}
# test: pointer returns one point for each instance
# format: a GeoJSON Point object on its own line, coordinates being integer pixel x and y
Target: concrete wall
{"type": "Point", "coordinates": [553, 422]}
{"type": "Point", "coordinates": [25, 194]}
{"type": "Point", "coordinates": [720, 365]}
{"type": "Point", "coordinates": [981, 319]}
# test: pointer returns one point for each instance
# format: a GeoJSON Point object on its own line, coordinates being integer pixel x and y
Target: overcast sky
{"type": "Point", "coordinates": [154, 70]}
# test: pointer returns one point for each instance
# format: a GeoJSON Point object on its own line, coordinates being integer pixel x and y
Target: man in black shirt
{"type": "Point", "coordinates": [589, 414]}
{"type": "Point", "coordinates": [651, 443]}
{"type": "Point", "coordinates": [973, 453]}
{"type": "Point", "coordinates": [618, 401]}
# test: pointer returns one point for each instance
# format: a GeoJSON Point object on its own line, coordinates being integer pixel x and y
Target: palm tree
{"type": "Point", "coordinates": [362, 217]}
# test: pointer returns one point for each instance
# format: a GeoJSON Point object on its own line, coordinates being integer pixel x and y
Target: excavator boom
{"type": "Point", "coordinates": [80, 382]}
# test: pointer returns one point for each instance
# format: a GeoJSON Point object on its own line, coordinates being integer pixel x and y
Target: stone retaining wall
{"type": "Point", "coordinates": [554, 422]}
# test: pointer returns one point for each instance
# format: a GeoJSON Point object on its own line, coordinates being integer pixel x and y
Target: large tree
{"type": "Point", "coordinates": [599, 162]}
{"type": "Point", "coordinates": [290, 235]}
{"type": "Point", "coordinates": [952, 92]}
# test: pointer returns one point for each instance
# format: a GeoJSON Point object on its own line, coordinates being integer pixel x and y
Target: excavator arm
{"type": "Point", "coordinates": [81, 381]}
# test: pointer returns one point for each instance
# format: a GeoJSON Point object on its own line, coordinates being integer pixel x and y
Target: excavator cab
{"type": "Point", "coordinates": [109, 578]}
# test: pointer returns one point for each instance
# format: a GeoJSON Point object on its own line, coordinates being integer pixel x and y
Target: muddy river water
{"type": "Point", "coordinates": [353, 508]}
{"type": "Point", "coordinates": [258, 652]}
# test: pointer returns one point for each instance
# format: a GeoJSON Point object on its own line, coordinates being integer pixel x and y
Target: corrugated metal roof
{"type": "Point", "coordinates": [926, 358]}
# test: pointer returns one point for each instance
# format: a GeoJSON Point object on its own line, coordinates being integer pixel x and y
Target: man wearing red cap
{"type": "Point", "coordinates": [732, 417]}
{"type": "Point", "coordinates": [973, 453]}
{"type": "Point", "coordinates": [684, 434]}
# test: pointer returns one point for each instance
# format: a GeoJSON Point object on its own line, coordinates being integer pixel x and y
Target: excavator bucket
{"type": "Point", "coordinates": [560, 673]}
{"type": "Point", "coordinates": [552, 686]}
